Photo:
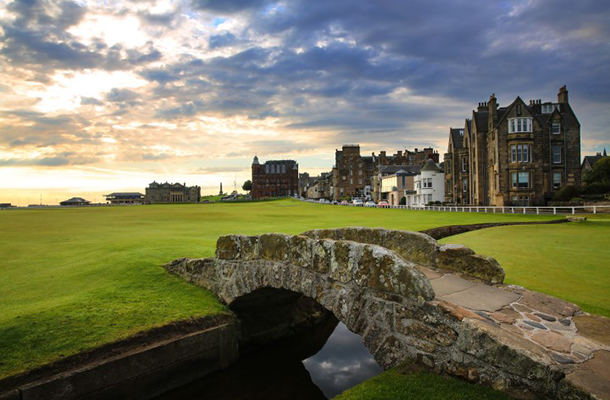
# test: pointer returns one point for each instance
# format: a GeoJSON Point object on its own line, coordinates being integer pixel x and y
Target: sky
{"type": "Point", "coordinates": [107, 95]}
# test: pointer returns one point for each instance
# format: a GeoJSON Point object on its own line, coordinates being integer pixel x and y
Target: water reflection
{"type": "Point", "coordinates": [277, 372]}
{"type": "Point", "coordinates": [342, 363]}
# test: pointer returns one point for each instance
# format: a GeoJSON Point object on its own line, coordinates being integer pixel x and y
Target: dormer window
{"type": "Point", "coordinates": [556, 128]}
{"type": "Point", "coordinates": [548, 108]}
{"type": "Point", "coordinates": [516, 125]}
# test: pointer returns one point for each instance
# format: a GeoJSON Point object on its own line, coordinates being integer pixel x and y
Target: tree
{"type": "Point", "coordinates": [247, 186]}
{"type": "Point", "coordinates": [600, 172]}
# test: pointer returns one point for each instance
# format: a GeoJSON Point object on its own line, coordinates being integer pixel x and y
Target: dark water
{"type": "Point", "coordinates": [317, 364]}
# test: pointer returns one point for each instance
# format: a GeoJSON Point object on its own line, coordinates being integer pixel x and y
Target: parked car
{"type": "Point", "coordinates": [357, 202]}
{"type": "Point", "coordinates": [370, 204]}
{"type": "Point", "coordinates": [344, 203]}
{"type": "Point", "coordinates": [384, 204]}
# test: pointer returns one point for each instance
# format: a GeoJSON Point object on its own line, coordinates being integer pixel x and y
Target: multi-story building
{"type": "Point", "coordinates": [352, 173]}
{"type": "Point", "coordinates": [589, 161]}
{"type": "Point", "coordinates": [172, 193]}
{"type": "Point", "coordinates": [516, 155]}
{"type": "Point", "coordinates": [358, 176]}
{"type": "Point", "coordinates": [429, 186]}
{"type": "Point", "coordinates": [274, 178]}
{"type": "Point", "coordinates": [319, 187]}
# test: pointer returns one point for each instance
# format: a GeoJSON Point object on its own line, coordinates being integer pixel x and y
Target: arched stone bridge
{"type": "Point", "coordinates": [411, 298]}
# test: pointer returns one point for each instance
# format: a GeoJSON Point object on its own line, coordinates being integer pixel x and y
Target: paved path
{"type": "Point", "coordinates": [551, 330]}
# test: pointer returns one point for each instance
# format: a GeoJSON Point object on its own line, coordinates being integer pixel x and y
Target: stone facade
{"type": "Point", "coordinates": [516, 155]}
{"type": "Point", "coordinates": [385, 286]}
{"type": "Point", "coordinates": [354, 175]}
{"type": "Point", "coordinates": [317, 187]}
{"type": "Point", "coordinates": [274, 178]}
{"type": "Point", "coordinates": [172, 193]}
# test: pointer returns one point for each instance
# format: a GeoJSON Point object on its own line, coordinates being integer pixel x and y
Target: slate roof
{"type": "Point", "coordinates": [392, 169]}
{"type": "Point", "coordinates": [457, 137]}
{"type": "Point", "coordinates": [593, 159]}
{"type": "Point", "coordinates": [431, 166]}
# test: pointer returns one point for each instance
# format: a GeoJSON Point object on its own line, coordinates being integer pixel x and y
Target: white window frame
{"type": "Point", "coordinates": [520, 125]}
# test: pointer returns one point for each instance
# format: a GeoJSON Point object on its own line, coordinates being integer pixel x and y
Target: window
{"type": "Point", "coordinates": [556, 128]}
{"type": "Point", "coordinates": [521, 200]}
{"type": "Point", "coordinates": [520, 153]}
{"type": "Point", "coordinates": [465, 184]}
{"type": "Point", "coordinates": [464, 164]}
{"type": "Point", "coordinates": [521, 180]}
{"type": "Point", "coordinates": [516, 125]}
{"type": "Point", "coordinates": [549, 108]}
{"type": "Point", "coordinates": [556, 180]}
{"type": "Point", "coordinates": [556, 154]}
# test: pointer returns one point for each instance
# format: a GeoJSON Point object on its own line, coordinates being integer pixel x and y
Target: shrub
{"type": "Point", "coordinates": [597, 188]}
{"type": "Point", "coordinates": [403, 201]}
{"type": "Point", "coordinates": [566, 193]}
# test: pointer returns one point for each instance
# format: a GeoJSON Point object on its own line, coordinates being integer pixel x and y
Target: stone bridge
{"type": "Point", "coordinates": [411, 298]}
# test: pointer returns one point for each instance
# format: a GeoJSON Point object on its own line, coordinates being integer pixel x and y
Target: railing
{"type": "Point", "coordinates": [546, 210]}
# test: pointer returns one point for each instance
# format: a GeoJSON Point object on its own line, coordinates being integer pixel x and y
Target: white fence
{"type": "Point", "coordinates": [501, 210]}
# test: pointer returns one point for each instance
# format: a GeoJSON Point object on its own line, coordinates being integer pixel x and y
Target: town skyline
{"type": "Point", "coordinates": [101, 98]}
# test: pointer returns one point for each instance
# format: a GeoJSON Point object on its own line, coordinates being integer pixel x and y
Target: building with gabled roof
{"type": "Point", "coordinates": [515, 155]}
{"type": "Point", "coordinates": [172, 193]}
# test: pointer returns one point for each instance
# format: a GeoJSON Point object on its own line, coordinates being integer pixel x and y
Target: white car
{"type": "Point", "coordinates": [357, 202]}
{"type": "Point", "coordinates": [370, 204]}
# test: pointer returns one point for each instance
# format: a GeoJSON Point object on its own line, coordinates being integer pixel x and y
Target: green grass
{"type": "Point", "coordinates": [396, 384]}
{"type": "Point", "coordinates": [570, 261]}
{"type": "Point", "coordinates": [74, 279]}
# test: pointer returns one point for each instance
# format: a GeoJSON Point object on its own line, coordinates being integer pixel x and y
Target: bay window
{"type": "Point", "coordinates": [516, 125]}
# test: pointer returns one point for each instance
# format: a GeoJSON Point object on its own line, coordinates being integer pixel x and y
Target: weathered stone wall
{"type": "Point", "coordinates": [421, 249]}
{"type": "Point", "coordinates": [384, 298]}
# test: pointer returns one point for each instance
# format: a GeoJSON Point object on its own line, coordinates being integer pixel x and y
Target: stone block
{"type": "Point", "coordinates": [274, 247]}
{"type": "Point", "coordinates": [227, 248]}
{"type": "Point", "coordinates": [301, 251]}
{"type": "Point", "coordinates": [321, 255]}
{"type": "Point", "coordinates": [460, 258]}
{"type": "Point", "coordinates": [364, 235]}
{"type": "Point", "coordinates": [412, 246]}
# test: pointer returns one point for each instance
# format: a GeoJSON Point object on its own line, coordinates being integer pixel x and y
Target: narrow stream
{"type": "Point", "coordinates": [316, 364]}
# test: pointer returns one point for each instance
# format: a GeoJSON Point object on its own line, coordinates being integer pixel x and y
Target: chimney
{"type": "Point", "coordinates": [562, 96]}
{"type": "Point", "coordinates": [493, 111]}
{"type": "Point", "coordinates": [399, 153]}
{"type": "Point", "coordinates": [482, 106]}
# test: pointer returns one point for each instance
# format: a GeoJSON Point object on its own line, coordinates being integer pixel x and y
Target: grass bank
{"type": "Point", "coordinates": [569, 261]}
{"type": "Point", "coordinates": [403, 383]}
{"type": "Point", "coordinates": [74, 279]}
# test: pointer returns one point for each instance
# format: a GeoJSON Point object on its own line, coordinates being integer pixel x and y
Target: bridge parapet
{"type": "Point", "coordinates": [421, 249]}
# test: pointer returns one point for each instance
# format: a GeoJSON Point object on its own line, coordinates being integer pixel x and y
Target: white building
{"type": "Point", "coordinates": [429, 186]}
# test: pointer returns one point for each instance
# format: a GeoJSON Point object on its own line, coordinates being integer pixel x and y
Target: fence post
{"type": "Point", "coordinates": [594, 211]}
{"type": "Point", "coordinates": [554, 211]}
{"type": "Point", "coordinates": [537, 210]}
{"type": "Point", "coordinates": [573, 210]}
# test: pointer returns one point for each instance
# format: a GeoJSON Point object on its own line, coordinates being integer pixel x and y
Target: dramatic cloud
{"type": "Point", "coordinates": [176, 87]}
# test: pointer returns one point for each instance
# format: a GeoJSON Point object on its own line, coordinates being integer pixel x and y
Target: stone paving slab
{"type": "Point", "coordinates": [450, 284]}
{"type": "Point", "coordinates": [481, 297]}
{"type": "Point", "coordinates": [594, 375]}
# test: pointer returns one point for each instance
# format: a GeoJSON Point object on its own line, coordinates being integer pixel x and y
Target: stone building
{"type": "Point", "coordinates": [354, 175]}
{"type": "Point", "coordinates": [172, 193]}
{"type": "Point", "coordinates": [274, 178]}
{"type": "Point", "coordinates": [516, 155]}
{"type": "Point", "coordinates": [589, 161]}
{"type": "Point", "coordinates": [318, 187]}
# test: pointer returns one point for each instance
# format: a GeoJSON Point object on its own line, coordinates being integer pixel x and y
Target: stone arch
{"type": "Point", "coordinates": [352, 280]}
{"type": "Point", "coordinates": [371, 279]}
